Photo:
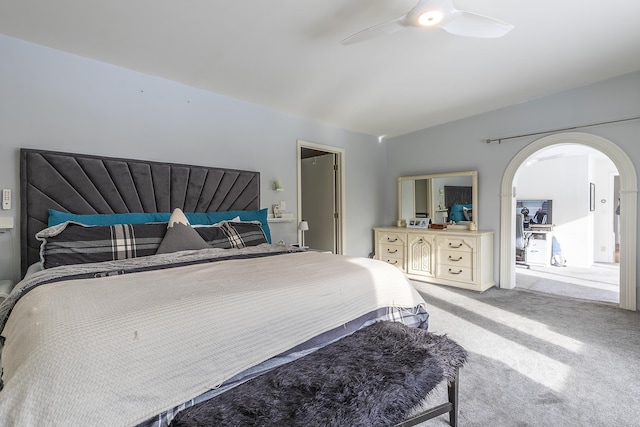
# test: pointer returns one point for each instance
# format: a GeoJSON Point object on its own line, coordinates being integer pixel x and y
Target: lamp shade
{"type": "Point", "coordinates": [303, 226]}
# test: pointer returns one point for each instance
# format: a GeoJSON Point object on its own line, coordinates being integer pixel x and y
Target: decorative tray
{"type": "Point", "coordinates": [439, 226]}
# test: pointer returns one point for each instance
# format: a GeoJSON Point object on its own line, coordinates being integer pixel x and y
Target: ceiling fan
{"type": "Point", "coordinates": [437, 14]}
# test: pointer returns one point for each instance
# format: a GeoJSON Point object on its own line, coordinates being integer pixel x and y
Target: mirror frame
{"type": "Point", "coordinates": [474, 190]}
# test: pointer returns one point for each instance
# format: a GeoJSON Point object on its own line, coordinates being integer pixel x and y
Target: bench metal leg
{"type": "Point", "coordinates": [451, 407]}
{"type": "Point", "coordinates": [453, 399]}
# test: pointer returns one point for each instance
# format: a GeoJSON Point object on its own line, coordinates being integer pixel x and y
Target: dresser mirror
{"type": "Point", "coordinates": [443, 197]}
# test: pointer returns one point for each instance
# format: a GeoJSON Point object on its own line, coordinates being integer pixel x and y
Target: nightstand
{"type": "Point", "coordinates": [5, 288]}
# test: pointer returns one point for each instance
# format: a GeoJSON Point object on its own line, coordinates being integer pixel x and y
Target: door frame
{"type": "Point", "coordinates": [628, 209]}
{"type": "Point", "coordinates": [340, 189]}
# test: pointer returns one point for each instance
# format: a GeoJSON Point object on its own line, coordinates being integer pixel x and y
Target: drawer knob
{"type": "Point", "coordinates": [421, 241]}
{"type": "Point", "coordinates": [455, 272]}
{"type": "Point", "coordinates": [455, 259]}
{"type": "Point", "coordinates": [389, 251]}
{"type": "Point", "coordinates": [394, 261]}
{"type": "Point", "coordinates": [392, 240]}
{"type": "Point", "coordinates": [455, 247]}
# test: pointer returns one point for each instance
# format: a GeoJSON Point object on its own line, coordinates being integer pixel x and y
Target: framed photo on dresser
{"type": "Point", "coordinates": [419, 223]}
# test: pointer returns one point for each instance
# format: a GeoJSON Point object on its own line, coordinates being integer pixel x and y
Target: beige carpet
{"type": "Point", "coordinates": [538, 360]}
{"type": "Point", "coordinates": [598, 283]}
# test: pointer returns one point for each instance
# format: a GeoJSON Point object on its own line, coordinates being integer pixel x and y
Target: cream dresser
{"type": "Point", "coordinates": [460, 258]}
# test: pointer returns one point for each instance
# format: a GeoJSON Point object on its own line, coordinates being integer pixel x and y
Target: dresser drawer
{"type": "Point", "coordinates": [390, 250]}
{"type": "Point", "coordinates": [459, 244]}
{"type": "Point", "coordinates": [454, 272]}
{"type": "Point", "coordinates": [538, 255]}
{"type": "Point", "coordinates": [398, 262]}
{"type": "Point", "coordinates": [456, 258]}
{"type": "Point", "coordinates": [392, 239]}
{"type": "Point", "coordinates": [537, 244]}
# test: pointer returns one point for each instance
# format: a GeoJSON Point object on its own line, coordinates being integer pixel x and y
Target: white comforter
{"type": "Point", "coordinates": [118, 350]}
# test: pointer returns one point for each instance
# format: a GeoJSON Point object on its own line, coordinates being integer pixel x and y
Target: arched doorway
{"type": "Point", "coordinates": [628, 209]}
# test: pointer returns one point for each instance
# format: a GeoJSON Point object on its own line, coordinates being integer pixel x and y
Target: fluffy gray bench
{"type": "Point", "coordinates": [377, 376]}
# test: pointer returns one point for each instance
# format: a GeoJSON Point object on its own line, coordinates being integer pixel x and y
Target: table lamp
{"type": "Point", "coordinates": [303, 226]}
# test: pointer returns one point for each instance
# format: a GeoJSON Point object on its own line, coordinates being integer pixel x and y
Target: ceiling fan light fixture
{"type": "Point", "coordinates": [437, 14]}
{"type": "Point", "coordinates": [430, 18]}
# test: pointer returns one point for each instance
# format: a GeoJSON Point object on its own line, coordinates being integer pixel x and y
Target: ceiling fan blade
{"type": "Point", "coordinates": [375, 31]}
{"type": "Point", "coordinates": [469, 24]}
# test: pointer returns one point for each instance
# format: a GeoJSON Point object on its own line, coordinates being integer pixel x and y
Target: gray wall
{"type": "Point", "coordinates": [56, 101]}
{"type": "Point", "coordinates": [460, 145]}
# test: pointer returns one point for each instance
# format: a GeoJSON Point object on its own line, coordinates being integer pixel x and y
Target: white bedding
{"type": "Point", "coordinates": [118, 350]}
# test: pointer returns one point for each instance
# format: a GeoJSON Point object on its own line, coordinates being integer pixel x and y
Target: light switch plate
{"type": "Point", "coordinates": [6, 199]}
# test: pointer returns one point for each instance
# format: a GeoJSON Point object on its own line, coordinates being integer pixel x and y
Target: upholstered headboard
{"type": "Point", "coordinates": [454, 194]}
{"type": "Point", "coordinates": [86, 184]}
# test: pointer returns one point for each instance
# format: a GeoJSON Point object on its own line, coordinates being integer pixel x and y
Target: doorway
{"type": "Point", "coordinates": [628, 209]}
{"type": "Point", "coordinates": [571, 189]}
{"type": "Point", "coordinates": [321, 196]}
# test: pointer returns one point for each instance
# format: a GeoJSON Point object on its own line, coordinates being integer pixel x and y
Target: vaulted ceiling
{"type": "Point", "coordinates": [286, 54]}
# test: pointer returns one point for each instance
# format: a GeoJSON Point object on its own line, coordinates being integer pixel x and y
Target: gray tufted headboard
{"type": "Point", "coordinates": [86, 184]}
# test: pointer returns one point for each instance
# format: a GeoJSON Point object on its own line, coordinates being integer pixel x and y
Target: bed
{"type": "Point", "coordinates": [134, 323]}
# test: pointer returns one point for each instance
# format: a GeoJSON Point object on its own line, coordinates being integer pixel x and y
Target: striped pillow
{"type": "Point", "coordinates": [230, 234]}
{"type": "Point", "coordinates": [74, 243]}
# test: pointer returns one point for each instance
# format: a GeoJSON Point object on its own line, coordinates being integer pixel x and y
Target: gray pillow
{"type": "Point", "coordinates": [181, 237]}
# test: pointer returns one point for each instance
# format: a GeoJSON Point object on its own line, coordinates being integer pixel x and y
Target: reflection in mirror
{"type": "Point", "coordinates": [442, 197]}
